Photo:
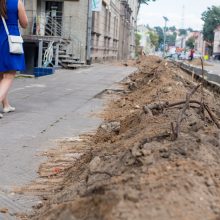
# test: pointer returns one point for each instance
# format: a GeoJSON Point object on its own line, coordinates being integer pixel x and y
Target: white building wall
{"type": "Point", "coordinates": [216, 46]}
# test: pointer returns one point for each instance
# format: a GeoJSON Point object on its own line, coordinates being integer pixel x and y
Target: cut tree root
{"type": "Point", "coordinates": [202, 90]}
{"type": "Point", "coordinates": [158, 137]}
{"type": "Point", "coordinates": [162, 105]}
{"type": "Point", "coordinates": [176, 131]}
{"type": "Point", "coordinates": [185, 107]}
{"type": "Point", "coordinates": [212, 116]}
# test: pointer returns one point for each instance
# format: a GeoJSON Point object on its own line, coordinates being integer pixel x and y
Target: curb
{"type": "Point", "coordinates": [210, 80]}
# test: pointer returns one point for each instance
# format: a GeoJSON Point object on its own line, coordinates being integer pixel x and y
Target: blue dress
{"type": "Point", "coordinates": [8, 61]}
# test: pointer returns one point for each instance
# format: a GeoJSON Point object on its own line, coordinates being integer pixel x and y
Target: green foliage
{"type": "Point", "coordinates": [154, 38]}
{"type": "Point", "coordinates": [137, 39]}
{"type": "Point", "coordinates": [159, 32]}
{"type": "Point", "coordinates": [211, 18]}
{"type": "Point", "coordinates": [173, 28]}
{"type": "Point", "coordinates": [144, 2]}
{"type": "Point", "coordinates": [182, 32]}
{"type": "Point", "coordinates": [171, 39]}
{"type": "Point", "coordinates": [190, 42]}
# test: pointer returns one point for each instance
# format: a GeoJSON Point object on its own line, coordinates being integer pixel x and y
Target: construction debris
{"type": "Point", "coordinates": [157, 161]}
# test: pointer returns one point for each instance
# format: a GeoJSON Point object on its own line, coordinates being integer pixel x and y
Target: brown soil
{"type": "Point", "coordinates": [132, 168]}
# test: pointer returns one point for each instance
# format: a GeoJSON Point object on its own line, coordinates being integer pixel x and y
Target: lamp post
{"type": "Point", "coordinates": [164, 34]}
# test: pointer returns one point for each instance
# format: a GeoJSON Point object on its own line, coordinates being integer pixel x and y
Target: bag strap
{"type": "Point", "coordinates": [5, 25]}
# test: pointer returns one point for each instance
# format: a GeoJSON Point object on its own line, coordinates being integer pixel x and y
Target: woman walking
{"type": "Point", "coordinates": [12, 11]}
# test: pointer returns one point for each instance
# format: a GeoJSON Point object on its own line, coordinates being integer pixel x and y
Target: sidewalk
{"type": "Point", "coordinates": [47, 109]}
{"type": "Point", "coordinates": [211, 71]}
{"type": "Point", "coordinates": [214, 68]}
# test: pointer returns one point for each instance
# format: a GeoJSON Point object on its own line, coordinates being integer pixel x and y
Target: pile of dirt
{"type": "Point", "coordinates": [138, 165]}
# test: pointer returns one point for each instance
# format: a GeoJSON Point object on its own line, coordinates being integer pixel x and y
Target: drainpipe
{"type": "Point", "coordinates": [89, 33]}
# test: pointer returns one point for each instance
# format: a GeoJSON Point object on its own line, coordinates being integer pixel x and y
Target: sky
{"type": "Point", "coordinates": [174, 10]}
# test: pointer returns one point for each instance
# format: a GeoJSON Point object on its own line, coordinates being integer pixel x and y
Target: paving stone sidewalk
{"type": "Point", "coordinates": [47, 109]}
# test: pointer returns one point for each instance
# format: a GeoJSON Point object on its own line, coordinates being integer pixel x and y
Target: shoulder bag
{"type": "Point", "coordinates": [15, 42]}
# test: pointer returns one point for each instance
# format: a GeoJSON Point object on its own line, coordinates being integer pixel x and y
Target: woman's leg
{"type": "Point", "coordinates": [5, 84]}
{"type": "Point", "coordinates": [5, 101]}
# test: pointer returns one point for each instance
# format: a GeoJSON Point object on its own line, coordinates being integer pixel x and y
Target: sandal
{"type": "Point", "coordinates": [8, 109]}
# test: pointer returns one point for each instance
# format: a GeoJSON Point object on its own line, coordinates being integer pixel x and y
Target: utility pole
{"type": "Point", "coordinates": [164, 35]}
{"type": "Point", "coordinates": [89, 33]}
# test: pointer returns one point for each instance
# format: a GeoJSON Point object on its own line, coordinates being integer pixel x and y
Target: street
{"type": "Point", "coordinates": [214, 69]}
{"type": "Point", "coordinates": [47, 109]}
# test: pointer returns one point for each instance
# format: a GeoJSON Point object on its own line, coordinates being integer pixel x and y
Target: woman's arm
{"type": "Point", "coordinates": [22, 16]}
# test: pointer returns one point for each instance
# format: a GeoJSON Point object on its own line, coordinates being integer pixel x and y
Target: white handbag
{"type": "Point", "coordinates": [15, 42]}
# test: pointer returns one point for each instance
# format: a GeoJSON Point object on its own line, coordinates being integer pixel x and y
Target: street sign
{"type": "Point", "coordinates": [96, 5]}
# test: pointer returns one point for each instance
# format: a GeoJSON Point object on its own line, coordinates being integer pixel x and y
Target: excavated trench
{"type": "Point", "coordinates": [156, 155]}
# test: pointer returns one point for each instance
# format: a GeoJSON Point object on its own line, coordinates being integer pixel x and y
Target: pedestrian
{"type": "Point", "coordinates": [191, 55]}
{"type": "Point", "coordinates": [12, 11]}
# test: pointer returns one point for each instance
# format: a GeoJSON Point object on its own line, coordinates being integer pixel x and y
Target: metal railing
{"type": "Point", "coordinates": [44, 24]}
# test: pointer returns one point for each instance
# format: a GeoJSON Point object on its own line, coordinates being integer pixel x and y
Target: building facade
{"type": "Point", "coordinates": [216, 45]}
{"type": "Point", "coordinates": [67, 19]}
{"type": "Point", "coordinates": [64, 27]}
{"type": "Point", "coordinates": [113, 30]}
{"type": "Point", "coordinates": [105, 32]}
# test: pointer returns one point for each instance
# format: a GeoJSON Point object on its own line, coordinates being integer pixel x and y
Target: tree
{"type": "Point", "coordinates": [173, 28]}
{"type": "Point", "coordinates": [159, 32]}
{"type": "Point", "coordinates": [211, 18]}
{"type": "Point", "coordinates": [171, 39]}
{"type": "Point", "coordinates": [190, 42]}
{"type": "Point", "coordinates": [143, 2]}
{"type": "Point", "coordinates": [182, 32]}
{"type": "Point", "coordinates": [137, 39]}
{"type": "Point", "coordinates": [154, 38]}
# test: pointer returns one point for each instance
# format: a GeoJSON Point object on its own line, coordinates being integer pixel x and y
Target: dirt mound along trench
{"type": "Point", "coordinates": [132, 168]}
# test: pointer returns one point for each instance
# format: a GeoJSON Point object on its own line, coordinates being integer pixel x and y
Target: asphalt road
{"type": "Point", "coordinates": [47, 109]}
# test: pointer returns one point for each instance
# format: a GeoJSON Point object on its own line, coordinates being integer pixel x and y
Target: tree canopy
{"type": "Point", "coordinates": [182, 32]}
{"type": "Point", "coordinates": [211, 18]}
{"type": "Point", "coordinates": [160, 34]}
{"type": "Point", "coordinates": [190, 42]}
{"type": "Point", "coordinates": [171, 39]}
{"type": "Point", "coordinates": [144, 2]}
{"type": "Point", "coordinates": [137, 39]}
{"type": "Point", "coordinates": [154, 38]}
{"type": "Point", "coordinates": [173, 28]}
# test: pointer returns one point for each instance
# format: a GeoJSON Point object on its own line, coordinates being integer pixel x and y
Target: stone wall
{"type": "Point", "coordinates": [75, 23]}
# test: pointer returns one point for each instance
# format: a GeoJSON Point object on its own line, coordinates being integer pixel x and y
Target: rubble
{"type": "Point", "coordinates": [133, 167]}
